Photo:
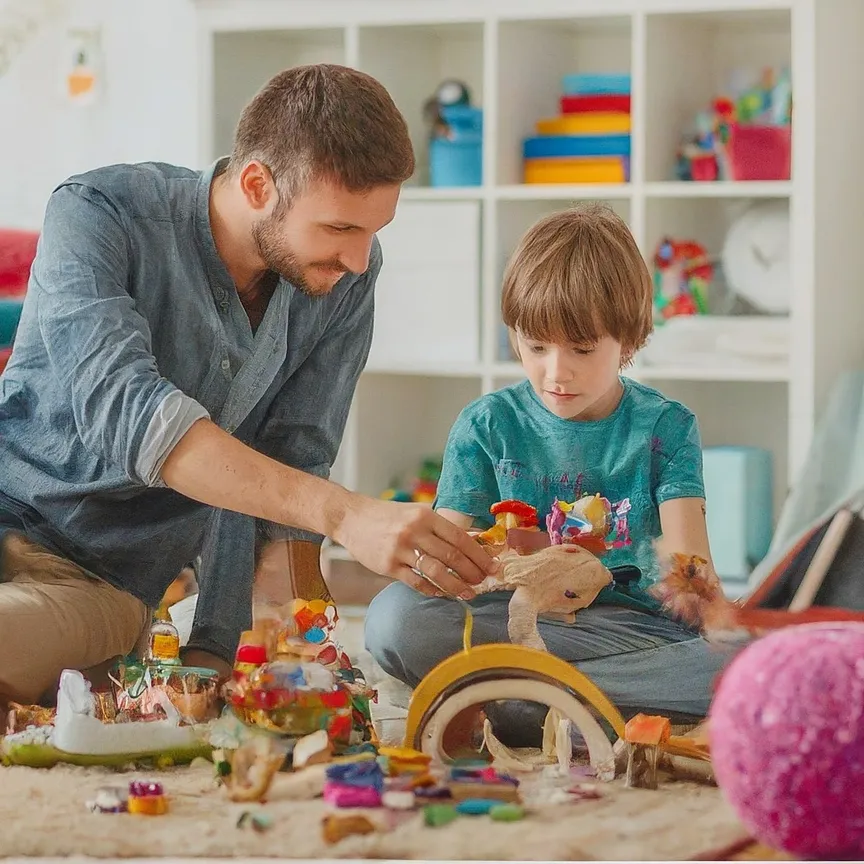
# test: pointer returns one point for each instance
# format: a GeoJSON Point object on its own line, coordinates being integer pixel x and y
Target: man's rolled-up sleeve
{"type": "Point", "coordinates": [98, 343]}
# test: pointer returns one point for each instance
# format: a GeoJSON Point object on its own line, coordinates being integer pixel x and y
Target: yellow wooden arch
{"type": "Point", "coordinates": [500, 659]}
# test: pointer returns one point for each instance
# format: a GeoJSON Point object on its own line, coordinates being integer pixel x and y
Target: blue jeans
{"type": "Point", "coordinates": [643, 662]}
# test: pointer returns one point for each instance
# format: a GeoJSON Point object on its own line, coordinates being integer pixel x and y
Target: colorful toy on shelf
{"type": "Point", "coordinates": [742, 137]}
{"type": "Point", "coordinates": [683, 275]}
{"type": "Point", "coordinates": [455, 136]}
{"type": "Point", "coordinates": [590, 141]}
{"type": "Point", "coordinates": [423, 487]}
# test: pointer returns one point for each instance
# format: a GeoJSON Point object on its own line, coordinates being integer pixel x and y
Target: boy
{"type": "Point", "coordinates": [577, 299]}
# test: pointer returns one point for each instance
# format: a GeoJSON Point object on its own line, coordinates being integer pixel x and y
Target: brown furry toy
{"type": "Point", "coordinates": [690, 591]}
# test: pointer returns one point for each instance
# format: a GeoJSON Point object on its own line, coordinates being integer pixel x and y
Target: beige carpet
{"type": "Point", "coordinates": [43, 813]}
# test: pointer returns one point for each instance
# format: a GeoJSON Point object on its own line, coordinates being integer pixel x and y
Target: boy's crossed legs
{"type": "Point", "coordinates": [642, 662]}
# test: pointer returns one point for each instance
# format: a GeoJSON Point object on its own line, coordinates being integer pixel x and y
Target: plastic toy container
{"type": "Point", "coordinates": [10, 313]}
{"type": "Point", "coordinates": [457, 160]}
{"type": "Point", "coordinates": [759, 152]}
{"type": "Point", "coordinates": [596, 84]}
{"type": "Point", "coordinates": [550, 146]}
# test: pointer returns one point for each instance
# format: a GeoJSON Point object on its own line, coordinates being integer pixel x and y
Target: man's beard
{"type": "Point", "coordinates": [284, 261]}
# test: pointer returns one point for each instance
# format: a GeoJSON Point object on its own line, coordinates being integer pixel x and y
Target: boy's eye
{"type": "Point", "coordinates": [584, 351]}
{"type": "Point", "coordinates": [537, 349]}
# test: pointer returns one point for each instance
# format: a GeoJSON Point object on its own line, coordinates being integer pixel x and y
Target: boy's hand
{"type": "Point", "coordinates": [397, 539]}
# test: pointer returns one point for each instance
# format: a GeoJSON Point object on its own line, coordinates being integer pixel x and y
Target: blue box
{"type": "Point", "coordinates": [10, 314]}
{"type": "Point", "coordinates": [551, 146]}
{"type": "Point", "coordinates": [739, 498]}
{"type": "Point", "coordinates": [458, 160]}
{"type": "Point", "coordinates": [598, 84]}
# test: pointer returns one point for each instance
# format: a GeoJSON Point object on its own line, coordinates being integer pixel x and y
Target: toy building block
{"type": "Point", "coordinates": [644, 736]}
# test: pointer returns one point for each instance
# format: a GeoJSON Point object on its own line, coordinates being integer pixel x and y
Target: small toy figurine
{"type": "Point", "coordinates": [644, 735]}
{"type": "Point", "coordinates": [683, 275]}
{"type": "Point", "coordinates": [146, 799]}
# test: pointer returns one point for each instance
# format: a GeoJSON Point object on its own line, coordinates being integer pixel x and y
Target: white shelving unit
{"type": "Point", "coordinates": [513, 54]}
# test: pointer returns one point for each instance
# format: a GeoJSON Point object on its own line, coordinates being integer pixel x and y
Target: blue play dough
{"type": "Point", "coordinates": [315, 635]}
{"type": "Point", "coordinates": [476, 806]}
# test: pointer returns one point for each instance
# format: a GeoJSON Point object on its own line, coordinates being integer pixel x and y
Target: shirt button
{"type": "Point", "coordinates": [226, 365]}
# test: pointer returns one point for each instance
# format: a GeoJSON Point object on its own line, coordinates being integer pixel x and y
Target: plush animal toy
{"type": "Point", "coordinates": [557, 580]}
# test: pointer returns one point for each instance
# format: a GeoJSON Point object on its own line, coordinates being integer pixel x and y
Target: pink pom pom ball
{"type": "Point", "coordinates": [787, 739]}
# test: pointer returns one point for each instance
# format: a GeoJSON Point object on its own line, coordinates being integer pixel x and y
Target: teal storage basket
{"type": "Point", "coordinates": [458, 160]}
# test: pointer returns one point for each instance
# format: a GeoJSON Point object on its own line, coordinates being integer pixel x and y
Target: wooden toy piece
{"type": "Point", "coordinates": [644, 736]}
{"type": "Point", "coordinates": [335, 827]}
{"type": "Point", "coordinates": [500, 671]}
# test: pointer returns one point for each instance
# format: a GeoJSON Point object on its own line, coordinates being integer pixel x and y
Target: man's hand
{"type": "Point", "coordinates": [397, 539]}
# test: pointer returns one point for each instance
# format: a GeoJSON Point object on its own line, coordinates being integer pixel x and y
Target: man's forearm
{"type": "Point", "coordinates": [210, 466]}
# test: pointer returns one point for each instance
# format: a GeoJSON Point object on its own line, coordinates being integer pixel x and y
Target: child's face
{"type": "Point", "coordinates": [574, 382]}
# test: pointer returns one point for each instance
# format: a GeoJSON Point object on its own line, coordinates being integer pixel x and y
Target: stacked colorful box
{"type": "Point", "coordinates": [589, 142]}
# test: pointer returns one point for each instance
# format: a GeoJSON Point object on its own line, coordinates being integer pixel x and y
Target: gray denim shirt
{"type": "Point", "coordinates": [131, 331]}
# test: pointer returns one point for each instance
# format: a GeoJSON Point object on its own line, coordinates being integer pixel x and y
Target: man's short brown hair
{"type": "Point", "coordinates": [577, 276]}
{"type": "Point", "coordinates": [324, 122]}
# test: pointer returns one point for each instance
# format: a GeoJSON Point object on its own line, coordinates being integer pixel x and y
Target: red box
{"type": "Point", "coordinates": [601, 102]}
{"type": "Point", "coordinates": [759, 152]}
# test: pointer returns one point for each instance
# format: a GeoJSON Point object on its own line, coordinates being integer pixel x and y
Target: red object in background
{"type": "Point", "coordinates": [759, 152]}
{"type": "Point", "coordinates": [704, 168]}
{"type": "Point", "coordinates": [5, 354]}
{"type": "Point", "coordinates": [581, 104]}
{"type": "Point", "coordinates": [17, 251]}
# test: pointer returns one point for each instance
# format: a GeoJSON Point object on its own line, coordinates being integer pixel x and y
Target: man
{"type": "Point", "coordinates": [187, 354]}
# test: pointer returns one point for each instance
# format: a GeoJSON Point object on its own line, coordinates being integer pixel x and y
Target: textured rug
{"type": "Point", "coordinates": [44, 814]}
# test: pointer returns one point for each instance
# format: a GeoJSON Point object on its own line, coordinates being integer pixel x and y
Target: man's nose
{"type": "Point", "coordinates": [356, 257]}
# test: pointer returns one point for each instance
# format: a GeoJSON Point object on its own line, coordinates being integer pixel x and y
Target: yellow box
{"type": "Point", "coordinates": [602, 169]}
{"type": "Point", "coordinates": [588, 123]}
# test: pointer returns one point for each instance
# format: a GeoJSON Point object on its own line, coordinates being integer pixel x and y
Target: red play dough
{"type": "Point", "coordinates": [787, 739]}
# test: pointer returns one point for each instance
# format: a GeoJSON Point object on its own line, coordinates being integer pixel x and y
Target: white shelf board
{"type": "Point", "coordinates": [755, 372]}
{"type": "Point", "coordinates": [443, 193]}
{"type": "Point", "coordinates": [428, 369]}
{"type": "Point", "coordinates": [566, 192]}
{"type": "Point", "coordinates": [720, 189]}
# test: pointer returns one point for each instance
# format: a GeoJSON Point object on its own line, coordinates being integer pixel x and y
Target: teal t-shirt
{"type": "Point", "coordinates": [507, 444]}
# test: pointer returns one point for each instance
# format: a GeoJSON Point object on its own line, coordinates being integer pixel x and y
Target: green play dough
{"type": "Point", "coordinates": [507, 813]}
{"type": "Point", "coordinates": [436, 815]}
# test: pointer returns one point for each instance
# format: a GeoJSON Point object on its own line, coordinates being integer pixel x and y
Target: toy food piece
{"type": "Point", "coordinates": [335, 827]}
{"type": "Point", "coordinates": [644, 734]}
{"type": "Point", "coordinates": [506, 813]}
{"type": "Point", "coordinates": [109, 799]}
{"type": "Point", "coordinates": [508, 514]}
{"type": "Point", "coordinates": [146, 799]}
{"type": "Point", "coordinates": [437, 815]}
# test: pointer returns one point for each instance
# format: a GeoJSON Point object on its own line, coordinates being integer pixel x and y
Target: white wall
{"type": "Point", "coordinates": [147, 109]}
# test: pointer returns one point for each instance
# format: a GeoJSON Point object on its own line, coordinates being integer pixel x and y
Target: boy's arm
{"type": "Point", "coordinates": [467, 487]}
{"type": "Point", "coordinates": [679, 488]}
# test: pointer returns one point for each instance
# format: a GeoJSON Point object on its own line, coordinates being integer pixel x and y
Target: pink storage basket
{"type": "Point", "coordinates": [759, 152]}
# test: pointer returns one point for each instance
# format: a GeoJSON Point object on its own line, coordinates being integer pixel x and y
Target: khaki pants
{"type": "Point", "coordinates": [55, 616]}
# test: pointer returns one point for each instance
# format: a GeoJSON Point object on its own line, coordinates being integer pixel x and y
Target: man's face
{"type": "Point", "coordinates": [325, 233]}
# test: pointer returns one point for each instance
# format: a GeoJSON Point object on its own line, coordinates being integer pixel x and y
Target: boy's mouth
{"type": "Point", "coordinates": [563, 397]}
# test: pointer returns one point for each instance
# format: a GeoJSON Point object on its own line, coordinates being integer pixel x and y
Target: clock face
{"type": "Point", "coordinates": [756, 256]}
